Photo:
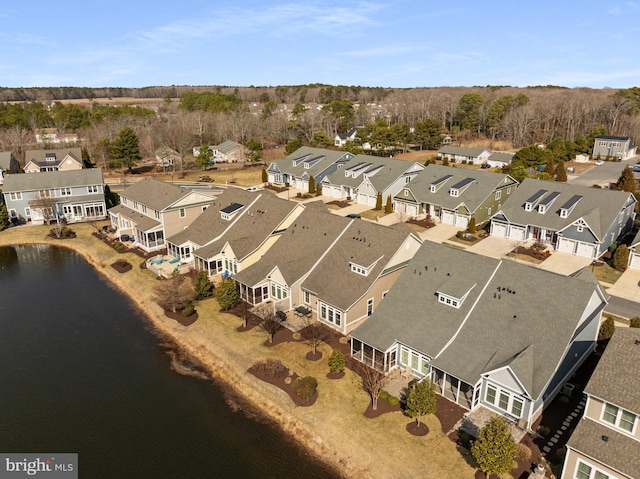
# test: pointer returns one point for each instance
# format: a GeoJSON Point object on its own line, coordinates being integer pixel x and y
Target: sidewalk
{"type": "Point", "coordinates": [627, 286]}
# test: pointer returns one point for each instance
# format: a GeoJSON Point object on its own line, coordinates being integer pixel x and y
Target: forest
{"type": "Point", "coordinates": [389, 120]}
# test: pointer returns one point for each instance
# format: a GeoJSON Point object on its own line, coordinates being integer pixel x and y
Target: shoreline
{"type": "Point", "coordinates": [238, 394]}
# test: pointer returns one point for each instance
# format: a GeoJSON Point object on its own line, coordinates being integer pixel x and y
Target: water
{"type": "Point", "coordinates": [80, 373]}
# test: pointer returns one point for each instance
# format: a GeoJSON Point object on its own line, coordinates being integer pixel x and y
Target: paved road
{"type": "Point", "coordinates": [622, 307]}
{"type": "Point", "coordinates": [602, 175]}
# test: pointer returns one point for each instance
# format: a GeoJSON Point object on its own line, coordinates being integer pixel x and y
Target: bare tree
{"type": "Point", "coordinates": [314, 333]}
{"type": "Point", "coordinates": [269, 320]}
{"type": "Point", "coordinates": [45, 205]}
{"type": "Point", "coordinates": [175, 293]}
{"type": "Point", "coordinates": [372, 382]}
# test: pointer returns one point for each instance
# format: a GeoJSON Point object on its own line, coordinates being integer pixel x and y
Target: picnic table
{"type": "Point", "coordinates": [303, 311]}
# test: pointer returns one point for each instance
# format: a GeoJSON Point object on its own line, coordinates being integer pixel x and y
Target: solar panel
{"type": "Point", "coordinates": [571, 202]}
{"type": "Point", "coordinates": [547, 200]}
{"type": "Point", "coordinates": [463, 183]}
{"type": "Point", "coordinates": [536, 196]}
{"type": "Point", "coordinates": [354, 166]}
{"type": "Point", "coordinates": [231, 208]}
{"type": "Point", "coordinates": [441, 180]}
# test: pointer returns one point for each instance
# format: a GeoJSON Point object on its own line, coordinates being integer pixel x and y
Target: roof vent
{"type": "Point", "coordinates": [637, 341]}
{"type": "Point", "coordinates": [605, 438]}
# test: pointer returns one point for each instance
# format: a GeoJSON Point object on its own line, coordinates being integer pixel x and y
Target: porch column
{"type": "Point", "coordinates": [444, 383]}
{"type": "Point", "coordinates": [458, 392]}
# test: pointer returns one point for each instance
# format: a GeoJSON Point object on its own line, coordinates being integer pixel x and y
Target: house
{"type": "Point", "coordinates": [457, 154]}
{"type": "Point", "coordinates": [235, 232]}
{"type": "Point", "coordinates": [342, 139]}
{"type": "Point", "coordinates": [53, 160]}
{"type": "Point", "coordinates": [306, 162]}
{"type": "Point", "coordinates": [167, 157]}
{"type": "Point", "coordinates": [572, 219]}
{"type": "Point", "coordinates": [278, 275]}
{"type": "Point", "coordinates": [354, 276]}
{"type": "Point", "coordinates": [8, 165]}
{"type": "Point", "coordinates": [490, 333]}
{"type": "Point", "coordinates": [228, 152]}
{"type": "Point", "coordinates": [151, 211]}
{"type": "Point", "coordinates": [70, 196]}
{"type": "Point", "coordinates": [499, 159]}
{"type": "Point", "coordinates": [52, 136]}
{"type": "Point", "coordinates": [454, 195]}
{"type": "Point", "coordinates": [606, 441]}
{"type": "Point", "coordinates": [611, 147]}
{"type": "Point", "coordinates": [364, 177]}
{"type": "Point", "coordinates": [634, 252]}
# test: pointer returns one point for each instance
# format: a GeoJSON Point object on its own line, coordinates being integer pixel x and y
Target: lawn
{"type": "Point", "coordinates": [605, 273]}
{"type": "Point", "coordinates": [373, 215]}
{"type": "Point", "coordinates": [334, 427]}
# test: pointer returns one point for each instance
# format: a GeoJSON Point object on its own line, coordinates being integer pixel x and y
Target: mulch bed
{"type": "Point", "coordinates": [448, 413]}
{"type": "Point", "coordinates": [283, 335]}
{"type": "Point", "coordinates": [383, 408]}
{"type": "Point", "coordinates": [184, 320]}
{"type": "Point", "coordinates": [338, 375]}
{"type": "Point", "coordinates": [314, 357]}
{"type": "Point", "coordinates": [424, 223]}
{"type": "Point", "coordinates": [121, 266]}
{"type": "Point", "coordinates": [277, 189]}
{"type": "Point", "coordinates": [69, 236]}
{"type": "Point", "coordinates": [339, 204]}
{"type": "Point", "coordinates": [534, 253]}
{"type": "Point", "coordinates": [279, 382]}
{"type": "Point", "coordinates": [415, 430]}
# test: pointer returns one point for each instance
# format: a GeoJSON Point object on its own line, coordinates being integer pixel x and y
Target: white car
{"type": "Point", "coordinates": [599, 162]}
{"type": "Point", "coordinates": [254, 188]}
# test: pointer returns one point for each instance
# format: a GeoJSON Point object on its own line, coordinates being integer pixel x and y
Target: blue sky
{"type": "Point", "coordinates": [388, 43]}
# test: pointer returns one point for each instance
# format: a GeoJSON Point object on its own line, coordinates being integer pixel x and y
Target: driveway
{"type": "Point", "coordinates": [439, 233]}
{"type": "Point", "coordinates": [493, 247]}
{"type": "Point", "coordinates": [627, 286]}
{"type": "Point", "coordinates": [602, 175]}
{"type": "Point", "coordinates": [564, 263]}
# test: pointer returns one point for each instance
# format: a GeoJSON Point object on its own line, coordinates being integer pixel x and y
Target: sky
{"type": "Point", "coordinates": [386, 43]}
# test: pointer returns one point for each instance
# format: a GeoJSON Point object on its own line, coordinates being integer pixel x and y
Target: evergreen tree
{"type": "Point", "coordinates": [227, 294]}
{"type": "Point", "coordinates": [125, 149]}
{"type": "Point", "coordinates": [265, 175]}
{"type": "Point", "coordinates": [445, 161]}
{"type": "Point", "coordinates": [494, 450]}
{"type": "Point", "coordinates": [421, 400]}
{"type": "Point", "coordinates": [319, 189]}
{"type": "Point", "coordinates": [627, 180]}
{"type": "Point", "coordinates": [312, 185]}
{"type": "Point", "coordinates": [379, 202]}
{"type": "Point", "coordinates": [621, 257]}
{"type": "Point", "coordinates": [388, 208]}
{"type": "Point", "coordinates": [204, 156]}
{"type": "Point", "coordinates": [292, 146]}
{"type": "Point", "coordinates": [254, 149]}
{"type": "Point", "coordinates": [561, 173]}
{"type": "Point", "coordinates": [607, 329]}
{"type": "Point", "coordinates": [337, 361]}
{"type": "Point", "coordinates": [203, 285]}
{"type": "Point", "coordinates": [634, 322]}
{"type": "Point", "coordinates": [472, 225]}
{"type": "Point", "coordinates": [549, 167]}
{"type": "Point", "coordinates": [4, 216]}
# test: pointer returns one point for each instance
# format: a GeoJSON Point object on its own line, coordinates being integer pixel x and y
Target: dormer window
{"type": "Point", "coordinates": [457, 291]}
{"type": "Point", "coordinates": [229, 212]}
{"type": "Point", "coordinates": [361, 270]}
{"type": "Point", "coordinates": [565, 210]}
{"type": "Point", "coordinates": [564, 213]}
{"type": "Point", "coordinates": [406, 192]}
{"type": "Point", "coordinates": [432, 189]}
{"type": "Point", "coordinates": [542, 209]}
{"type": "Point", "coordinates": [453, 192]}
{"type": "Point", "coordinates": [449, 300]}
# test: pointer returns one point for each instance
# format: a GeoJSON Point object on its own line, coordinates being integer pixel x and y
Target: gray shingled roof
{"type": "Point", "coordinates": [5, 160]}
{"type": "Point", "coordinates": [209, 224]}
{"type": "Point", "coordinates": [501, 156]}
{"type": "Point", "coordinates": [611, 381]}
{"type": "Point", "coordinates": [155, 194]}
{"type": "Point", "coordinates": [298, 249]}
{"type": "Point", "coordinates": [620, 452]}
{"type": "Point", "coordinates": [52, 179]}
{"type": "Point", "coordinates": [636, 241]}
{"type": "Point", "coordinates": [285, 165]}
{"type": "Point", "coordinates": [391, 170]}
{"type": "Point", "coordinates": [598, 207]}
{"type": "Point", "coordinates": [143, 222]}
{"type": "Point", "coordinates": [363, 244]}
{"type": "Point", "coordinates": [255, 224]}
{"type": "Point", "coordinates": [500, 327]}
{"type": "Point", "coordinates": [484, 185]}
{"type": "Point", "coordinates": [38, 156]}
{"type": "Point", "coordinates": [227, 147]}
{"type": "Point", "coordinates": [458, 150]}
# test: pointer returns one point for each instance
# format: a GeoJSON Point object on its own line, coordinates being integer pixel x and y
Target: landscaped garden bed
{"type": "Point", "coordinates": [302, 390]}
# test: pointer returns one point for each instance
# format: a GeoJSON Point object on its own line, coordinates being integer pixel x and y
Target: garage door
{"type": "Point", "coordinates": [412, 210]}
{"type": "Point", "coordinates": [566, 246]}
{"type": "Point", "coordinates": [499, 230]}
{"type": "Point", "coordinates": [635, 261]}
{"type": "Point", "coordinates": [462, 221]}
{"type": "Point", "coordinates": [586, 250]}
{"type": "Point", "coordinates": [334, 191]}
{"type": "Point", "coordinates": [516, 233]}
{"type": "Point", "coordinates": [447, 217]}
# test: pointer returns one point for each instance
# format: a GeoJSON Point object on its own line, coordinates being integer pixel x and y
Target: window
{"type": "Point", "coordinates": [414, 361]}
{"type": "Point", "coordinates": [425, 366]}
{"type": "Point", "coordinates": [183, 213]}
{"type": "Point", "coordinates": [620, 418]}
{"type": "Point", "coordinates": [528, 206]}
{"type": "Point", "coordinates": [157, 214]}
{"type": "Point", "coordinates": [370, 309]}
{"type": "Point", "coordinates": [498, 195]}
{"type": "Point", "coordinates": [13, 214]}
{"type": "Point", "coordinates": [307, 297]}
{"type": "Point", "coordinates": [135, 205]}
{"type": "Point", "coordinates": [584, 471]}
{"type": "Point", "coordinates": [509, 190]}
{"type": "Point", "coordinates": [27, 212]}
{"type": "Point", "coordinates": [359, 269]}
{"type": "Point", "coordinates": [92, 188]}
{"type": "Point", "coordinates": [404, 355]}
{"type": "Point", "coordinates": [580, 228]}
{"type": "Point", "coordinates": [15, 196]}
{"type": "Point", "coordinates": [331, 314]}
{"type": "Point", "coordinates": [504, 401]}
{"type": "Point", "coordinates": [278, 292]}
{"type": "Point", "coordinates": [490, 396]}
{"type": "Point", "coordinates": [564, 213]}
{"type": "Point", "coordinates": [144, 209]}
{"type": "Point", "coordinates": [65, 191]}
{"type": "Point", "coordinates": [45, 194]}
{"type": "Point", "coordinates": [406, 193]}
{"type": "Point", "coordinates": [453, 192]}
{"type": "Point", "coordinates": [516, 407]}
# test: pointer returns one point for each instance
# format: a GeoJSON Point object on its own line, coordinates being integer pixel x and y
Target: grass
{"type": "Point", "coordinates": [606, 274]}
{"type": "Point", "coordinates": [373, 215]}
{"type": "Point", "coordinates": [525, 258]}
{"type": "Point", "coordinates": [334, 428]}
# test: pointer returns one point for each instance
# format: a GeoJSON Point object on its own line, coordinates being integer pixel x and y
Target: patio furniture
{"type": "Point", "coordinates": [302, 311]}
{"type": "Point", "coordinates": [281, 315]}
{"type": "Point", "coordinates": [174, 260]}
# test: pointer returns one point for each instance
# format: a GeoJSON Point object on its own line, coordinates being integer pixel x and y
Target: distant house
{"type": "Point", "coordinates": [457, 154]}
{"type": "Point", "coordinates": [606, 441]}
{"type": "Point", "coordinates": [53, 160]}
{"type": "Point", "coordinates": [477, 328]}
{"type": "Point", "coordinates": [8, 165]}
{"type": "Point", "coordinates": [228, 152]}
{"type": "Point", "coordinates": [167, 157]}
{"type": "Point", "coordinates": [52, 136]}
{"type": "Point", "coordinates": [342, 139]}
{"type": "Point", "coordinates": [499, 159]}
{"type": "Point", "coordinates": [152, 210]}
{"type": "Point", "coordinates": [306, 162]}
{"type": "Point", "coordinates": [618, 147]}
{"type": "Point", "coordinates": [454, 195]}
{"type": "Point", "coordinates": [572, 219]}
{"type": "Point", "coordinates": [70, 196]}
{"type": "Point", "coordinates": [634, 252]}
{"type": "Point", "coordinates": [364, 177]}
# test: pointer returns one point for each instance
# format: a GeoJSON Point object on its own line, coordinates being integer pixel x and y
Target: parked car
{"type": "Point", "coordinates": [484, 166]}
{"type": "Point", "coordinates": [254, 188]}
{"type": "Point", "coordinates": [354, 216]}
{"type": "Point", "coordinates": [205, 179]}
{"type": "Point", "coordinates": [636, 168]}
{"type": "Point", "coordinates": [599, 162]}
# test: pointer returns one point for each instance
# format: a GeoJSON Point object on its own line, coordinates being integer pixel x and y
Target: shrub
{"type": "Point", "coordinates": [539, 245]}
{"type": "Point", "coordinates": [524, 452]}
{"type": "Point", "coordinates": [393, 401]}
{"type": "Point", "coordinates": [204, 287]}
{"type": "Point", "coordinates": [188, 310]}
{"type": "Point", "coordinates": [270, 367]}
{"type": "Point", "coordinates": [472, 225]}
{"type": "Point", "coordinates": [607, 329]}
{"type": "Point", "coordinates": [635, 322]}
{"type": "Point", "coordinates": [621, 258]}
{"type": "Point", "coordinates": [227, 294]}
{"type": "Point", "coordinates": [119, 247]}
{"type": "Point", "coordinates": [337, 361]}
{"type": "Point", "coordinates": [305, 387]}
{"type": "Point", "coordinates": [384, 395]}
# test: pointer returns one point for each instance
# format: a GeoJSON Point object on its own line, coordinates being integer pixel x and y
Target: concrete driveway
{"type": "Point", "coordinates": [564, 263]}
{"type": "Point", "coordinates": [494, 247]}
{"type": "Point", "coordinates": [627, 286]}
{"type": "Point", "coordinates": [439, 233]}
{"type": "Point", "coordinates": [602, 175]}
